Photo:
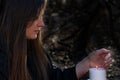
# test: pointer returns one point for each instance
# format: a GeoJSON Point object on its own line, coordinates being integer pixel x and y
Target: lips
{"type": "Point", "coordinates": [36, 31]}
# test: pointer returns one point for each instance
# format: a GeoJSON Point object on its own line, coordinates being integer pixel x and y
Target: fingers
{"type": "Point", "coordinates": [108, 56]}
{"type": "Point", "coordinates": [107, 62]}
{"type": "Point", "coordinates": [101, 58]}
{"type": "Point", "coordinates": [102, 51]}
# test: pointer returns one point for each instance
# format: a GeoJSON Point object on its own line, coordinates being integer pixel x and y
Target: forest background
{"type": "Point", "coordinates": [77, 27]}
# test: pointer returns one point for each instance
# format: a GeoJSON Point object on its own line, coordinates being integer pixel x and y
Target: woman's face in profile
{"type": "Point", "coordinates": [35, 26]}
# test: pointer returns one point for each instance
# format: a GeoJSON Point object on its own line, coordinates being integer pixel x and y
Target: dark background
{"type": "Point", "coordinates": [77, 27]}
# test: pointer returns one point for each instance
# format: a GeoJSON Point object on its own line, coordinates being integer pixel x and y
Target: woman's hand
{"type": "Point", "coordinates": [100, 58]}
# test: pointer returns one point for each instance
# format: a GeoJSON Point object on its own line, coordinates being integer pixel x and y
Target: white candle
{"type": "Point", "coordinates": [97, 74]}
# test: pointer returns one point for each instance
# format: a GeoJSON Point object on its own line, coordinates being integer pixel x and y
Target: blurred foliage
{"type": "Point", "coordinates": [77, 27]}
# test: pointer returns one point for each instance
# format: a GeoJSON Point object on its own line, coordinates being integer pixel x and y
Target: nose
{"type": "Point", "coordinates": [40, 23]}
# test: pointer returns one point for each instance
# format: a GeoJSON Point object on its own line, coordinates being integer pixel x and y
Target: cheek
{"type": "Point", "coordinates": [30, 34]}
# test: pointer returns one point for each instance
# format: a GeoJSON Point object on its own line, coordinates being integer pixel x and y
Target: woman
{"type": "Point", "coordinates": [21, 53]}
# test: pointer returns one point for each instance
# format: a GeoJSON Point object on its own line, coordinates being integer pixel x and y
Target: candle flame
{"type": "Point", "coordinates": [96, 67]}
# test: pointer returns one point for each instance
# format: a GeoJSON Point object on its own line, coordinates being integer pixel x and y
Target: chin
{"type": "Point", "coordinates": [32, 37]}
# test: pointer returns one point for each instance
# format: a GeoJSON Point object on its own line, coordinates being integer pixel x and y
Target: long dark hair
{"type": "Point", "coordinates": [14, 16]}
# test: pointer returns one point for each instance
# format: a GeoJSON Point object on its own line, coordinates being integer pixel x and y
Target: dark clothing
{"type": "Point", "coordinates": [67, 74]}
